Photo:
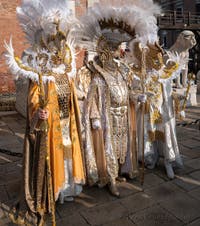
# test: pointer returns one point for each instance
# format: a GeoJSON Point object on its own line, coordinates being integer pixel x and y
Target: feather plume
{"type": "Point", "coordinates": [40, 20]}
{"type": "Point", "coordinates": [118, 21]}
{"type": "Point", "coordinates": [179, 59]}
{"type": "Point", "coordinates": [20, 71]}
{"type": "Point", "coordinates": [37, 17]}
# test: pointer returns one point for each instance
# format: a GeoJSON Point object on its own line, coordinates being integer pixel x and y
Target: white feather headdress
{"type": "Point", "coordinates": [40, 21]}
{"type": "Point", "coordinates": [118, 21]}
{"type": "Point", "coordinates": [37, 18]}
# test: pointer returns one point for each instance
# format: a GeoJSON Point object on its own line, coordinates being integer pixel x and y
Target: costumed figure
{"type": "Point", "coordinates": [159, 135]}
{"type": "Point", "coordinates": [52, 167]}
{"type": "Point", "coordinates": [109, 112]}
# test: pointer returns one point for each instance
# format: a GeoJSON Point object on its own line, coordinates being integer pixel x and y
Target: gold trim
{"type": "Point", "coordinates": [156, 135]}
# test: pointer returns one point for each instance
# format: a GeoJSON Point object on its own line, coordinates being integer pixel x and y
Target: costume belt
{"type": "Point", "coordinates": [118, 111]}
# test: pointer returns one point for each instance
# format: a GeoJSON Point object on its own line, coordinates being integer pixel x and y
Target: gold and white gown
{"type": "Point", "coordinates": [109, 104]}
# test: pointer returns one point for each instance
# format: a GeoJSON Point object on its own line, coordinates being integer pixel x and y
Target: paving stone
{"type": "Point", "coordinates": [191, 143]}
{"type": "Point", "coordinates": [6, 158]}
{"type": "Point", "coordinates": [20, 135]}
{"type": "Point", "coordinates": [181, 132]}
{"type": "Point", "coordinates": [69, 208]}
{"type": "Point", "coordinates": [154, 216]}
{"type": "Point", "coordinates": [16, 123]}
{"type": "Point", "coordinates": [183, 207]}
{"type": "Point", "coordinates": [197, 138]}
{"type": "Point", "coordinates": [120, 222]}
{"type": "Point", "coordinates": [194, 223]}
{"type": "Point", "coordinates": [137, 202]}
{"type": "Point", "coordinates": [182, 172]}
{"type": "Point", "coordinates": [185, 158]}
{"type": "Point", "coordinates": [195, 193]}
{"type": "Point", "coordinates": [2, 180]}
{"type": "Point", "coordinates": [10, 178]}
{"type": "Point", "coordinates": [13, 189]}
{"type": "Point", "coordinates": [90, 197]}
{"type": "Point", "coordinates": [160, 171]}
{"type": "Point", "coordinates": [152, 180]}
{"type": "Point", "coordinates": [185, 133]}
{"type": "Point", "coordinates": [48, 220]}
{"type": "Point", "coordinates": [72, 220]}
{"type": "Point", "coordinates": [104, 213]}
{"type": "Point", "coordinates": [3, 194]}
{"type": "Point", "coordinates": [8, 139]}
{"type": "Point", "coordinates": [164, 191]}
{"type": "Point", "coordinates": [185, 182]}
{"type": "Point", "coordinates": [12, 144]}
{"type": "Point", "coordinates": [95, 195]}
{"type": "Point", "coordinates": [196, 175]}
{"type": "Point", "coordinates": [191, 153]}
{"type": "Point", "coordinates": [2, 123]}
{"type": "Point", "coordinates": [8, 113]}
{"type": "Point", "coordinates": [14, 166]}
{"type": "Point", "coordinates": [4, 131]}
{"type": "Point", "coordinates": [126, 188]}
{"type": "Point", "coordinates": [2, 168]}
{"type": "Point", "coordinates": [3, 160]}
{"type": "Point", "coordinates": [194, 163]}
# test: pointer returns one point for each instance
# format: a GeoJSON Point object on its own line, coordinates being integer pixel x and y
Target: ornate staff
{"type": "Point", "coordinates": [44, 127]}
{"type": "Point", "coordinates": [143, 79]}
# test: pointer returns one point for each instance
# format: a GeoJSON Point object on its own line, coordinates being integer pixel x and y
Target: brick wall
{"type": "Point", "coordinates": [9, 26]}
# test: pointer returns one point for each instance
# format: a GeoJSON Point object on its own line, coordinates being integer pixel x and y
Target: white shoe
{"type": "Point", "coordinates": [69, 198]}
{"type": "Point", "coordinates": [169, 169]}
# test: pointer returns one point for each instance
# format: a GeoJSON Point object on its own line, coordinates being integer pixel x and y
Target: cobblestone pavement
{"type": "Point", "coordinates": [159, 202]}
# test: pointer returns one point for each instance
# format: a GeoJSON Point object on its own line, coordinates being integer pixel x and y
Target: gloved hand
{"type": "Point", "coordinates": [43, 114]}
{"type": "Point", "coordinates": [142, 98]}
{"type": "Point", "coordinates": [96, 124]}
{"type": "Point", "coordinates": [182, 114]}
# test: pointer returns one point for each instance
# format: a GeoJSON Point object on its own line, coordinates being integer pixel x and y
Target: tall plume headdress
{"type": "Point", "coordinates": [45, 22]}
{"type": "Point", "coordinates": [117, 22]}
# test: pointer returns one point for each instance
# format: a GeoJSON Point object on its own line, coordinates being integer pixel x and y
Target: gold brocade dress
{"type": "Point", "coordinates": [109, 103]}
{"type": "Point", "coordinates": [72, 185]}
{"type": "Point", "coordinates": [34, 202]}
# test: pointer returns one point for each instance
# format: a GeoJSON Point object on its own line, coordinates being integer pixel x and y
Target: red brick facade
{"type": "Point", "coordinates": [9, 26]}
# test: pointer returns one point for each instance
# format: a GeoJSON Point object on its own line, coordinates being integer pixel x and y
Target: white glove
{"type": "Point", "coordinates": [96, 124]}
{"type": "Point", "coordinates": [142, 98]}
{"type": "Point", "coordinates": [182, 114]}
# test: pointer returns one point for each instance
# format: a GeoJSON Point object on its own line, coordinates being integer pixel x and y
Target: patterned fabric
{"type": "Point", "coordinates": [109, 92]}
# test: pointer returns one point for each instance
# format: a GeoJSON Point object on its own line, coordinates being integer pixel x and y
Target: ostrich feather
{"type": "Point", "coordinates": [137, 19]}
{"type": "Point", "coordinates": [37, 19]}
{"type": "Point", "coordinates": [179, 59]}
{"type": "Point", "coordinates": [19, 71]}
{"type": "Point", "coordinates": [39, 15]}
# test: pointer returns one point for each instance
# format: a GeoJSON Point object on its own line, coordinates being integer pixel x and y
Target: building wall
{"type": "Point", "coordinates": [9, 26]}
{"type": "Point", "coordinates": [189, 5]}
